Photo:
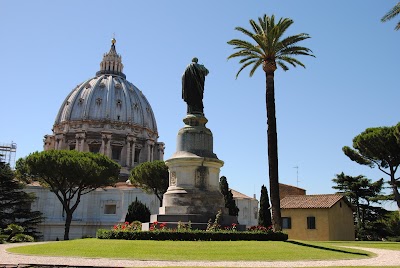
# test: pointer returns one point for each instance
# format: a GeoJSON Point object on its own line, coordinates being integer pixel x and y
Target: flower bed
{"type": "Point", "coordinates": [159, 232]}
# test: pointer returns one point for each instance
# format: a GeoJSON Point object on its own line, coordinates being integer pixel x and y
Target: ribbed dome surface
{"type": "Point", "coordinates": [108, 97]}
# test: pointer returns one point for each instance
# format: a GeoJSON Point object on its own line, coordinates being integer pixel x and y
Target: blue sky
{"type": "Point", "coordinates": [48, 47]}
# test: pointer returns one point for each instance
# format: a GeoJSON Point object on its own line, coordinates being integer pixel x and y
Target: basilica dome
{"type": "Point", "coordinates": [108, 114]}
{"type": "Point", "coordinates": [108, 97]}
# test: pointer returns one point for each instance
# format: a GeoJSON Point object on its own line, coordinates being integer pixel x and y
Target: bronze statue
{"type": "Point", "coordinates": [193, 87]}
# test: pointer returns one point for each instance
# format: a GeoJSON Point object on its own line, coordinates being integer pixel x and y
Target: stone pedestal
{"type": "Point", "coordinates": [193, 193]}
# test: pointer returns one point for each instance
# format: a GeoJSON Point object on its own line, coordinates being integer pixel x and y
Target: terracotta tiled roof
{"type": "Point", "coordinates": [311, 201]}
{"type": "Point", "coordinates": [288, 185]}
{"type": "Point", "coordinates": [236, 194]}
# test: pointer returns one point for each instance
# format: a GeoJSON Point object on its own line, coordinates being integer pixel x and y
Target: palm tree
{"type": "Point", "coordinates": [391, 14]}
{"type": "Point", "coordinates": [270, 50]}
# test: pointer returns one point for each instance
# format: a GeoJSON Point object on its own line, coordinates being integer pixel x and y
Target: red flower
{"type": "Point", "coordinates": [126, 223]}
{"type": "Point", "coordinates": [155, 223]}
{"type": "Point", "coordinates": [115, 227]}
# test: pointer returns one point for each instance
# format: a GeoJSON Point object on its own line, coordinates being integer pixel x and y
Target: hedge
{"type": "Point", "coordinates": [192, 235]}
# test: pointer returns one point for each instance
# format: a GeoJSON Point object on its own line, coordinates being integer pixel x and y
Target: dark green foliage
{"type": "Point", "coordinates": [69, 175]}
{"type": "Point", "coordinates": [270, 49]}
{"type": "Point", "coordinates": [137, 211]}
{"type": "Point", "coordinates": [362, 194]}
{"type": "Point", "coordinates": [394, 12]}
{"type": "Point", "coordinates": [227, 193]}
{"type": "Point", "coordinates": [194, 235]}
{"type": "Point", "coordinates": [264, 215]}
{"type": "Point", "coordinates": [391, 224]}
{"type": "Point", "coordinates": [152, 177]}
{"type": "Point", "coordinates": [15, 204]}
{"type": "Point", "coordinates": [379, 147]}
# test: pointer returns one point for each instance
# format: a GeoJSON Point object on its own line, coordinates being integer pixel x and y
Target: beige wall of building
{"type": "Point", "coordinates": [341, 224]}
{"type": "Point", "coordinates": [335, 223]}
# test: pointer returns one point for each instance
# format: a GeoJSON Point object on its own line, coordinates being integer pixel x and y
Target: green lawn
{"type": "Point", "coordinates": [365, 244]}
{"type": "Point", "coordinates": [193, 250]}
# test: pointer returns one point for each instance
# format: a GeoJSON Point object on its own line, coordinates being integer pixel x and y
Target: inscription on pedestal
{"type": "Point", "coordinates": [172, 178]}
{"type": "Point", "coordinates": [201, 178]}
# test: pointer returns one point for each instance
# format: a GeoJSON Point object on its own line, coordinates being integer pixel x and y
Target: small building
{"type": "Point", "coordinates": [248, 208]}
{"type": "Point", "coordinates": [317, 217]}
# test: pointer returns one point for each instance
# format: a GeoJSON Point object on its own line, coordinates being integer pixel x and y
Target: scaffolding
{"type": "Point", "coordinates": [7, 153]}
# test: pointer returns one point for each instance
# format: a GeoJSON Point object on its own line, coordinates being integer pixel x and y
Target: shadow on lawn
{"type": "Point", "coordinates": [325, 248]}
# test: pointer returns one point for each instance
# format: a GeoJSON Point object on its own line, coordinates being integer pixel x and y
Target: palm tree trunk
{"type": "Point", "coordinates": [273, 152]}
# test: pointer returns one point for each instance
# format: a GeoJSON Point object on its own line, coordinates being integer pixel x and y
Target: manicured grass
{"type": "Point", "coordinates": [364, 244]}
{"type": "Point", "coordinates": [192, 250]}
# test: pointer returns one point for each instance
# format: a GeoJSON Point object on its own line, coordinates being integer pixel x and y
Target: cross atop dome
{"type": "Point", "coordinates": [112, 62]}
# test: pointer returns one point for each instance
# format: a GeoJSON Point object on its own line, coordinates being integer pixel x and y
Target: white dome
{"type": "Point", "coordinates": [108, 98]}
{"type": "Point", "coordinates": [109, 115]}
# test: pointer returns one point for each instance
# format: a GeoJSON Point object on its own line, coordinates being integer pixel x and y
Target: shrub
{"type": "Point", "coordinates": [216, 226]}
{"type": "Point", "coordinates": [137, 211]}
{"type": "Point", "coordinates": [192, 235]}
{"type": "Point", "coordinates": [21, 238]}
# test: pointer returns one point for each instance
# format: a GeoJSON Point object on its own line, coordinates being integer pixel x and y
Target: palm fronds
{"type": "Point", "coordinates": [268, 46]}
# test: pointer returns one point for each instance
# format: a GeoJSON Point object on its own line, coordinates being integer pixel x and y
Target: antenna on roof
{"type": "Point", "coordinates": [297, 175]}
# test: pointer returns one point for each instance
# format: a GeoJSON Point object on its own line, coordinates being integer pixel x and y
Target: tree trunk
{"type": "Point", "coordinates": [358, 213]}
{"type": "Point", "coordinates": [273, 152]}
{"type": "Point", "coordinates": [159, 196]}
{"type": "Point", "coordinates": [394, 188]}
{"type": "Point", "coordinates": [68, 220]}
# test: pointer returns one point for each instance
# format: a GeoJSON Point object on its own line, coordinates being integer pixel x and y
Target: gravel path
{"type": "Point", "coordinates": [384, 258]}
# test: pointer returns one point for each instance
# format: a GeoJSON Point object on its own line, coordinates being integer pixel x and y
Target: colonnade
{"type": "Point", "coordinates": [130, 149]}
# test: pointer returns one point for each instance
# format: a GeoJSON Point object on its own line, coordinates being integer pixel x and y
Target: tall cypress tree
{"type": "Point", "coordinates": [228, 196]}
{"type": "Point", "coordinates": [137, 211]}
{"type": "Point", "coordinates": [15, 204]}
{"type": "Point", "coordinates": [264, 215]}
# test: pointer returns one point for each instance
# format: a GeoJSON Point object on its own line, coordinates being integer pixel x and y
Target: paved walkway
{"type": "Point", "coordinates": [383, 258]}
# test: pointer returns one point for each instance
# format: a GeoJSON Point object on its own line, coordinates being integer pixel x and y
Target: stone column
{"type": "Point", "coordinates": [59, 142]}
{"type": "Point", "coordinates": [161, 148]}
{"type": "Point", "coordinates": [128, 153]}
{"type": "Point", "coordinates": [105, 143]}
{"type": "Point", "coordinates": [149, 145]}
{"type": "Point", "coordinates": [108, 151]}
{"type": "Point", "coordinates": [80, 141]}
{"type": "Point", "coordinates": [134, 147]}
{"type": "Point", "coordinates": [77, 142]}
{"type": "Point", "coordinates": [130, 150]}
{"type": "Point", "coordinates": [83, 144]}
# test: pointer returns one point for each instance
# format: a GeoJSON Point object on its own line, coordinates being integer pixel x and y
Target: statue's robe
{"type": "Point", "coordinates": [193, 87]}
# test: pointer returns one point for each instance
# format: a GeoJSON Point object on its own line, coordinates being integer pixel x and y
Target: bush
{"type": "Point", "coordinates": [394, 239]}
{"type": "Point", "coordinates": [137, 211]}
{"type": "Point", "coordinates": [192, 235]}
{"type": "Point", "coordinates": [3, 238]}
{"type": "Point", "coordinates": [21, 238]}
